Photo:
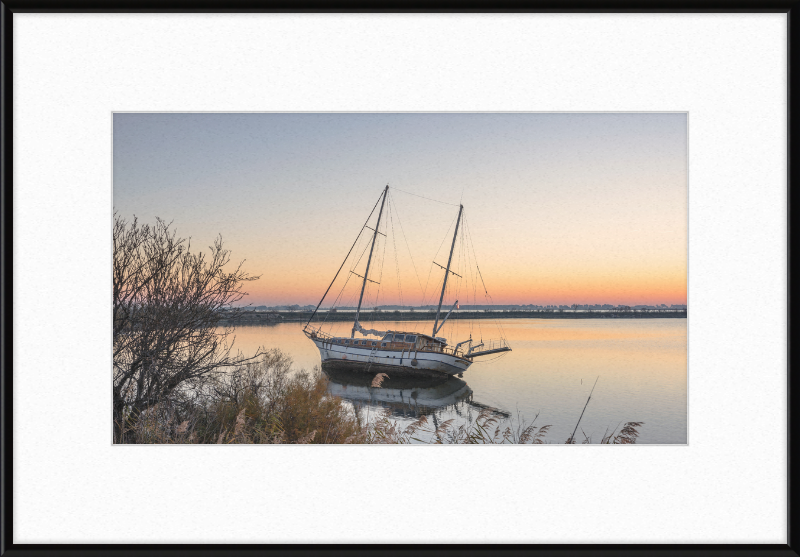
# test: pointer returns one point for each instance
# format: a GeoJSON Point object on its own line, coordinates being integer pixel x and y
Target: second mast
{"type": "Point", "coordinates": [447, 271]}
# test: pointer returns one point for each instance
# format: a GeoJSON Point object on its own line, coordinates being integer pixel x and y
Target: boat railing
{"type": "Point", "coordinates": [442, 350]}
{"type": "Point", "coordinates": [317, 332]}
{"type": "Point", "coordinates": [492, 344]}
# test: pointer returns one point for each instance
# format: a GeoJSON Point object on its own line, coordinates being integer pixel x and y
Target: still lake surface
{"type": "Point", "coordinates": [641, 365]}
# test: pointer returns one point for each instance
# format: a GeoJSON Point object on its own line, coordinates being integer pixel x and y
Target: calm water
{"type": "Point", "coordinates": [641, 364]}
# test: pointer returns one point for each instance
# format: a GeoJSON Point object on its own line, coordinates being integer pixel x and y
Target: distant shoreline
{"type": "Point", "coordinates": [252, 317]}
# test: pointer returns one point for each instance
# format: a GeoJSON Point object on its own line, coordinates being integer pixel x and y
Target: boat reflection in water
{"type": "Point", "coordinates": [407, 397]}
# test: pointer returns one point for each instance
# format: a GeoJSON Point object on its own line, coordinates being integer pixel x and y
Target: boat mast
{"type": "Point", "coordinates": [366, 273]}
{"type": "Point", "coordinates": [447, 271]}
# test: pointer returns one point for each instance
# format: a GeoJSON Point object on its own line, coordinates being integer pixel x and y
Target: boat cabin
{"type": "Point", "coordinates": [413, 341]}
{"type": "Point", "coordinates": [394, 340]}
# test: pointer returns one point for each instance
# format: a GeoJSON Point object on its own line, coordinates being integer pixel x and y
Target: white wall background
{"type": "Point", "coordinates": [72, 70]}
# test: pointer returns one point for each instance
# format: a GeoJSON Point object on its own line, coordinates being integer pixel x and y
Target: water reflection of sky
{"type": "Point", "coordinates": [641, 364]}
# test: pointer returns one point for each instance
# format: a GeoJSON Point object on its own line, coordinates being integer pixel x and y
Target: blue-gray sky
{"type": "Point", "coordinates": [563, 208]}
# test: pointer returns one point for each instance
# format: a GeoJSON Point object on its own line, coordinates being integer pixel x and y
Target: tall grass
{"type": "Point", "coordinates": [268, 402]}
{"type": "Point", "coordinates": [261, 402]}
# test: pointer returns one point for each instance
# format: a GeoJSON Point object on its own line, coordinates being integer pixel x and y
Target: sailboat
{"type": "Point", "coordinates": [404, 352]}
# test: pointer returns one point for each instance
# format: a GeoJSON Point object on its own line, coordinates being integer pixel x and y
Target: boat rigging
{"type": "Point", "coordinates": [396, 351]}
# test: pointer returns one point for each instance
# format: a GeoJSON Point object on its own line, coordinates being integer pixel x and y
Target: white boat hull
{"type": "Point", "coordinates": [337, 356]}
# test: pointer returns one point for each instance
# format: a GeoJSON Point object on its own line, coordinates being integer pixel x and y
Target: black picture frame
{"type": "Point", "coordinates": [7, 10]}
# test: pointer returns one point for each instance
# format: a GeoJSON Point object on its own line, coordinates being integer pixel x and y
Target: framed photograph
{"type": "Point", "coordinates": [441, 264]}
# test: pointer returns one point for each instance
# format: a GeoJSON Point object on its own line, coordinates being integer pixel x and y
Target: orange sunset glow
{"type": "Point", "coordinates": [558, 208]}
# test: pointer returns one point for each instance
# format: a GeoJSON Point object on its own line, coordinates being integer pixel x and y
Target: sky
{"type": "Point", "coordinates": [559, 208]}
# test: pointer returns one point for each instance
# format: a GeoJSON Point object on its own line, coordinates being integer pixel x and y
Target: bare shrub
{"type": "Point", "coordinates": [166, 317]}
